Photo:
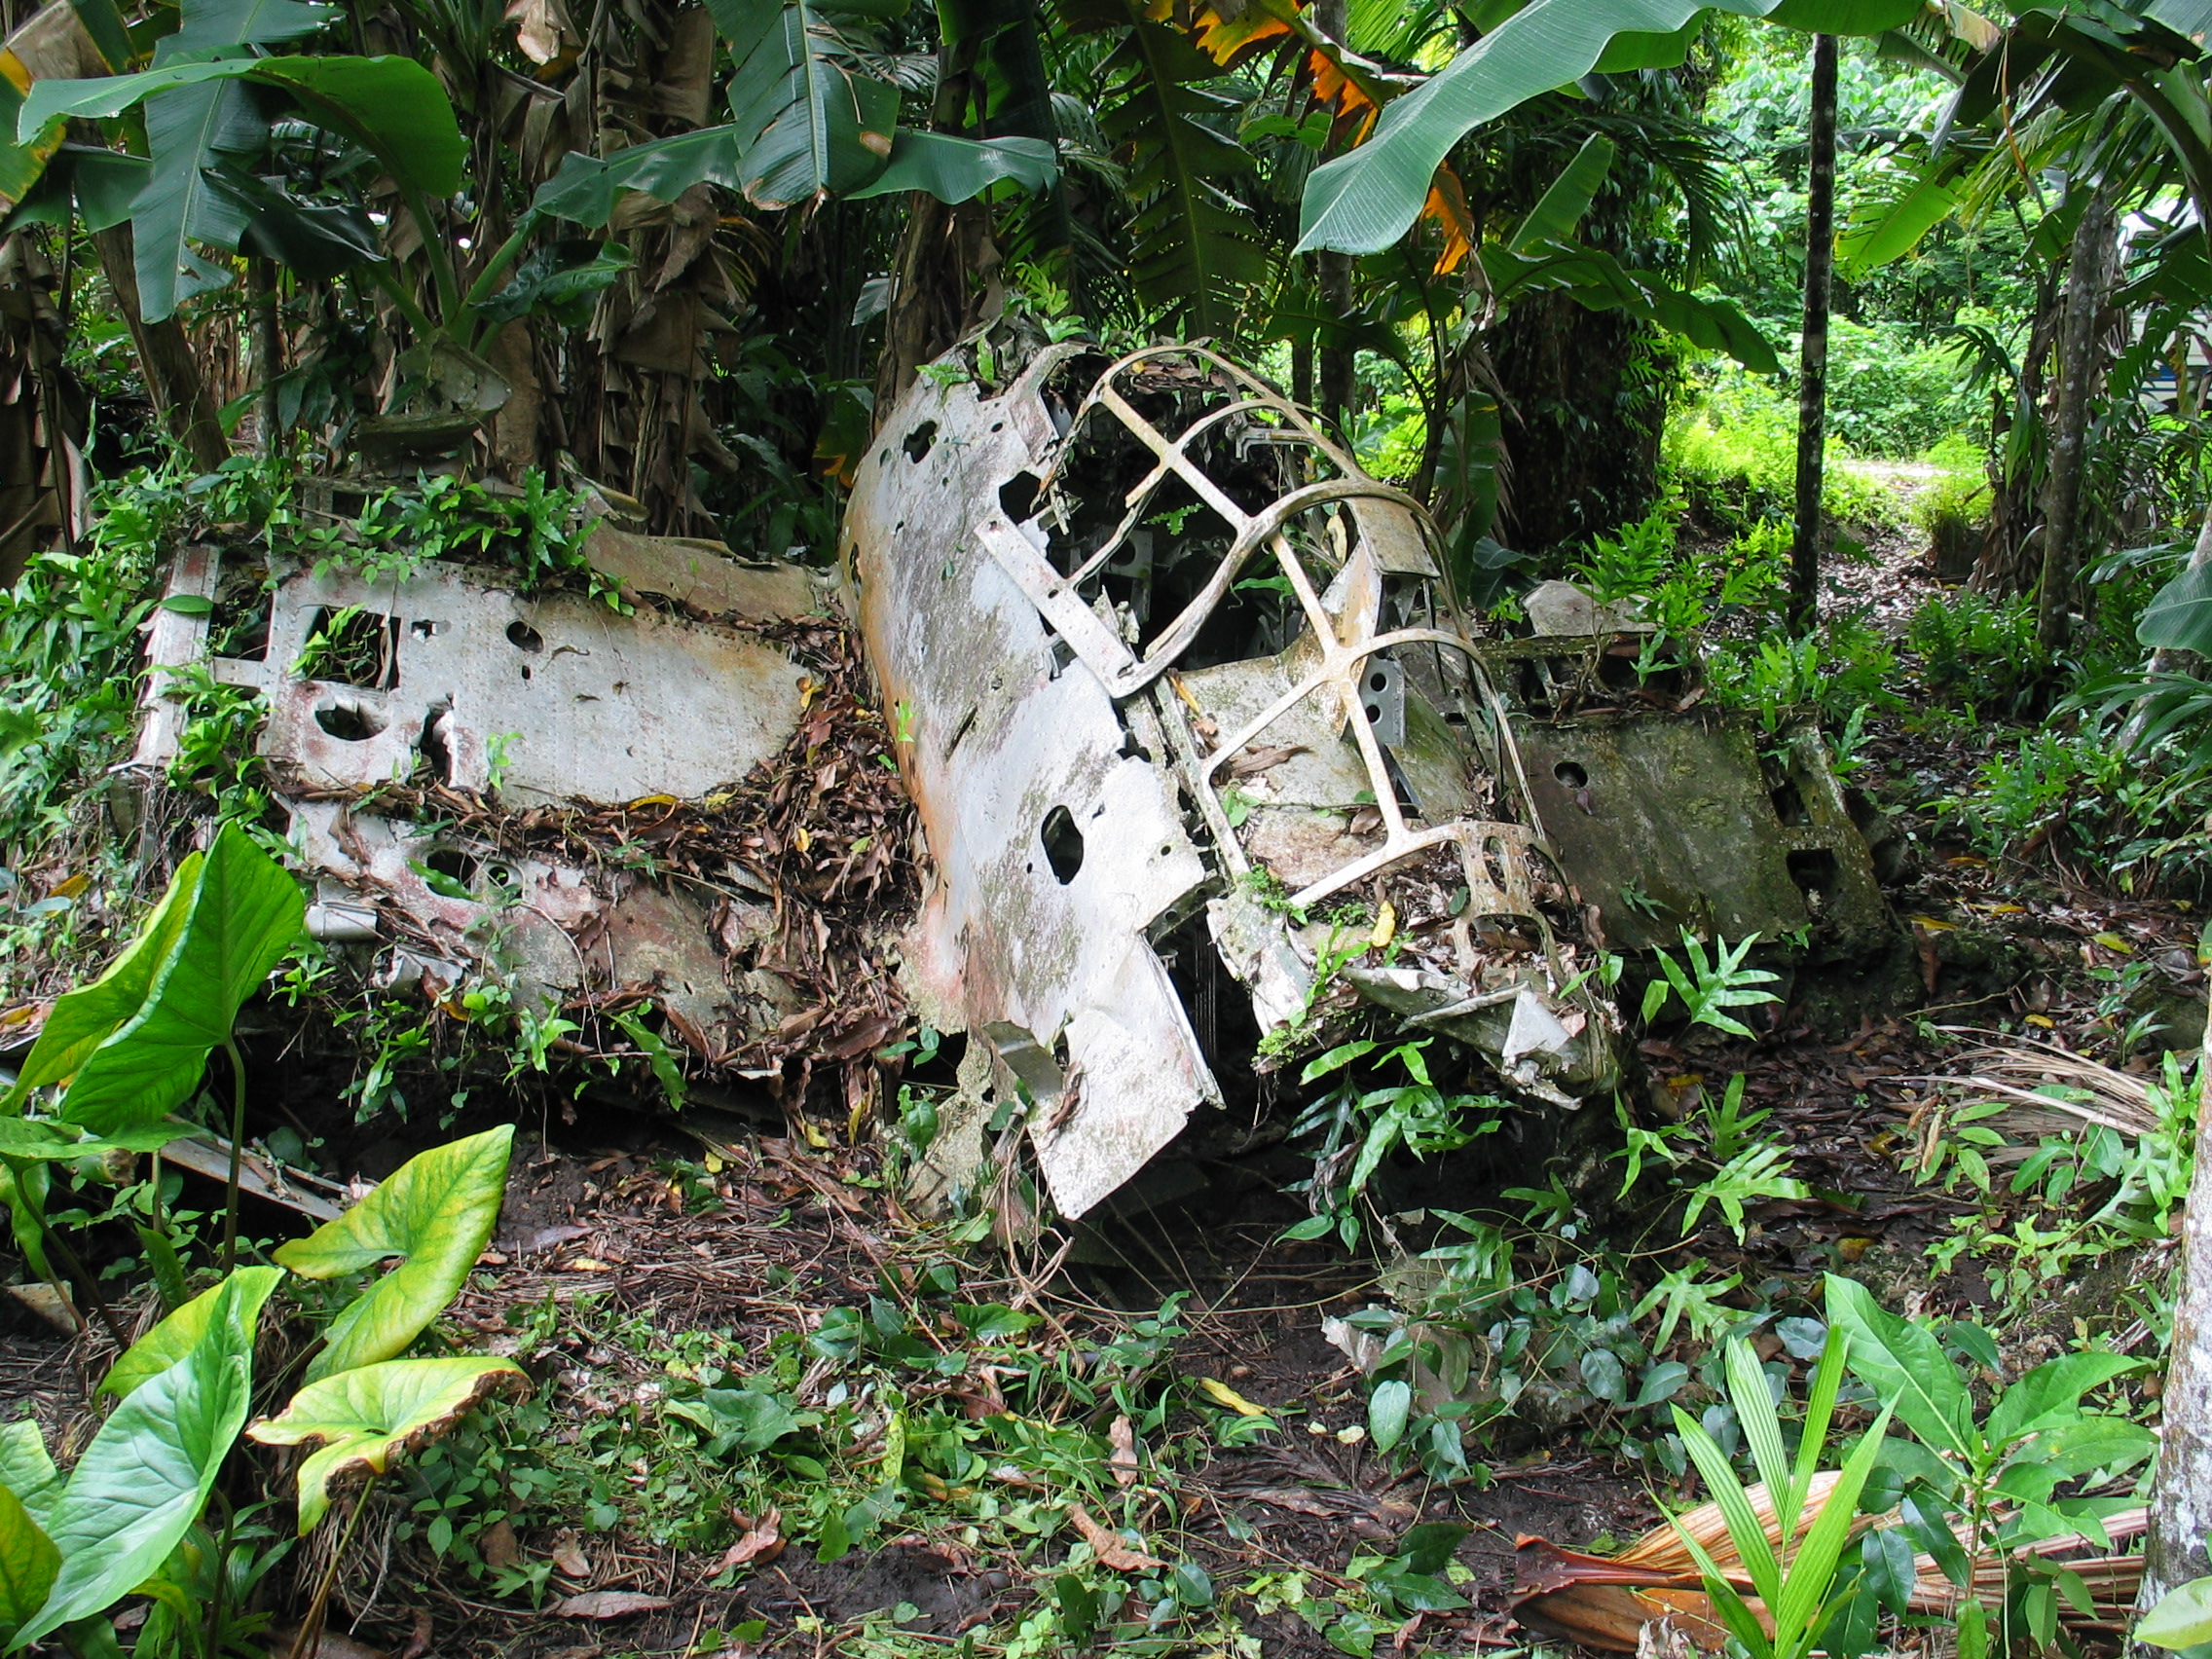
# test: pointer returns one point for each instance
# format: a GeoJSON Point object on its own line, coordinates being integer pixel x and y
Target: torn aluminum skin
{"type": "Point", "coordinates": [1159, 651]}
{"type": "Point", "coordinates": [456, 679]}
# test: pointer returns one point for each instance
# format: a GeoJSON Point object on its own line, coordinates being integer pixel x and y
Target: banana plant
{"type": "Point", "coordinates": [128, 1518]}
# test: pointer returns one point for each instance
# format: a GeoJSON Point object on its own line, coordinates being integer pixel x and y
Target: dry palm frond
{"type": "Point", "coordinates": [1605, 1601]}
{"type": "Point", "coordinates": [2017, 1072]}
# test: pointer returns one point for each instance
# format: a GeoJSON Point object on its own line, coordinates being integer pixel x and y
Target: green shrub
{"type": "Point", "coordinates": [1733, 454]}
{"type": "Point", "coordinates": [1983, 651]}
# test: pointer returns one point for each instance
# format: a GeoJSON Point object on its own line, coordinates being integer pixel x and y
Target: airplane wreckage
{"type": "Point", "coordinates": [1205, 760]}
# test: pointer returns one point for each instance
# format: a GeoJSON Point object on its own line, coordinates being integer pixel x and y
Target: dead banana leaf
{"type": "Point", "coordinates": [1605, 1601]}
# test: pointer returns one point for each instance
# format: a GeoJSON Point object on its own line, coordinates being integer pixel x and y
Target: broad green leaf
{"type": "Point", "coordinates": [1388, 1410]}
{"type": "Point", "coordinates": [954, 170]}
{"type": "Point", "coordinates": [1891, 229]}
{"type": "Point", "coordinates": [1595, 279]}
{"type": "Point", "coordinates": [812, 119]}
{"type": "Point", "coordinates": [1562, 206]}
{"type": "Point", "coordinates": [561, 279]}
{"type": "Point", "coordinates": [239, 1298]}
{"type": "Point", "coordinates": [1363, 202]}
{"type": "Point", "coordinates": [1845, 17]}
{"type": "Point", "coordinates": [36, 1140]}
{"type": "Point", "coordinates": [189, 129]}
{"type": "Point", "coordinates": [209, 24]}
{"type": "Point", "coordinates": [2051, 1394]}
{"type": "Point", "coordinates": [317, 239]}
{"type": "Point", "coordinates": [27, 1470]}
{"type": "Point", "coordinates": [366, 1417]}
{"type": "Point", "coordinates": [1626, 52]}
{"type": "Point", "coordinates": [84, 1019]}
{"type": "Point", "coordinates": [107, 183]}
{"type": "Point", "coordinates": [146, 1476]}
{"type": "Point", "coordinates": [2179, 616]}
{"type": "Point", "coordinates": [28, 1563]}
{"type": "Point", "coordinates": [391, 106]}
{"type": "Point", "coordinates": [436, 1214]}
{"type": "Point", "coordinates": [2084, 1445]}
{"type": "Point", "coordinates": [239, 915]}
{"type": "Point", "coordinates": [2182, 1618]}
{"type": "Point", "coordinates": [1906, 1366]}
{"type": "Point", "coordinates": [585, 189]}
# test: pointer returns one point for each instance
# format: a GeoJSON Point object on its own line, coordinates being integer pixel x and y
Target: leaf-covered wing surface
{"type": "Point", "coordinates": [436, 1212]}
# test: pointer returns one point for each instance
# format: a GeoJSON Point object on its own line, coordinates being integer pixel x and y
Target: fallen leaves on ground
{"type": "Point", "coordinates": [1109, 1547]}
{"type": "Point", "coordinates": [1222, 1394]}
{"type": "Point", "coordinates": [608, 1605]}
{"type": "Point", "coordinates": [1122, 1437]}
{"type": "Point", "coordinates": [757, 1540]}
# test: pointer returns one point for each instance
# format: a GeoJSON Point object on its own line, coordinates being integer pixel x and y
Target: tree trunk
{"type": "Point", "coordinates": [164, 357]}
{"type": "Point", "coordinates": [1335, 366]}
{"type": "Point", "coordinates": [2181, 1501]}
{"type": "Point", "coordinates": [1813, 352]}
{"type": "Point", "coordinates": [2089, 273]}
{"type": "Point", "coordinates": [2008, 562]}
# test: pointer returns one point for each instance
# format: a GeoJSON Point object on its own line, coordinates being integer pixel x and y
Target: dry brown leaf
{"type": "Point", "coordinates": [419, 1639]}
{"type": "Point", "coordinates": [1122, 1437]}
{"type": "Point", "coordinates": [1256, 758]}
{"type": "Point", "coordinates": [1110, 1549]}
{"type": "Point", "coordinates": [608, 1605]}
{"type": "Point", "coordinates": [1297, 1499]}
{"type": "Point", "coordinates": [569, 1560]}
{"type": "Point", "coordinates": [500, 1546]}
{"type": "Point", "coordinates": [758, 1541]}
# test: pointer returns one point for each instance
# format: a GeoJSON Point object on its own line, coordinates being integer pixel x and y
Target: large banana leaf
{"type": "Point", "coordinates": [812, 117]}
{"type": "Point", "coordinates": [132, 1043]}
{"type": "Point", "coordinates": [189, 129]}
{"type": "Point", "coordinates": [1561, 207]}
{"type": "Point", "coordinates": [146, 1476]}
{"type": "Point", "coordinates": [585, 189]}
{"type": "Point", "coordinates": [1889, 230]}
{"type": "Point", "coordinates": [392, 107]}
{"type": "Point", "coordinates": [28, 1564]}
{"type": "Point", "coordinates": [1364, 202]}
{"type": "Point", "coordinates": [238, 1297]}
{"type": "Point", "coordinates": [369, 1416]}
{"type": "Point", "coordinates": [1599, 281]}
{"type": "Point", "coordinates": [953, 169]}
{"type": "Point", "coordinates": [436, 1212]}
{"type": "Point", "coordinates": [1195, 252]}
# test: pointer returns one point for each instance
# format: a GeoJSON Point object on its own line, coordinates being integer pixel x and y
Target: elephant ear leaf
{"type": "Point", "coordinates": [147, 1474]}
{"type": "Point", "coordinates": [26, 1470]}
{"type": "Point", "coordinates": [132, 1043]}
{"type": "Point", "coordinates": [239, 1299]}
{"type": "Point", "coordinates": [367, 1417]}
{"type": "Point", "coordinates": [28, 1564]}
{"type": "Point", "coordinates": [437, 1213]}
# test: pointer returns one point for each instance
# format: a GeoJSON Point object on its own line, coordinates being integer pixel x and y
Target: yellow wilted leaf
{"type": "Point", "coordinates": [2110, 940]}
{"type": "Point", "coordinates": [653, 801]}
{"type": "Point", "coordinates": [2008, 909]}
{"type": "Point", "coordinates": [589, 1265]}
{"type": "Point", "coordinates": [803, 838]}
{"type": "Point", "coordinates": [2044, 1020]}
{"type": "Point", "coordinates": [1385, 925]}
{"type": "Point", "coordinates": [1222, 1394]}
{"type": "Point", "coordinates": [73, 886]}
{"type": "Point", "coordinates": [1934, 926]}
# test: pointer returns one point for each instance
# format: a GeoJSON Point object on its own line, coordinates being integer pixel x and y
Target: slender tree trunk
{"type": "Point", "coordinates": [1335, 368]}
{"type": "Point", "coordinates": [267, 346]}
{"type": "Point", "coordinates": [2089, 273]}
{"type": "Point", "coordinates": [165, 355]}
{"type": "Point", "coordinates": [1813, 353]}
{"type": "Point", "coordinates": [2181, 1501]}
